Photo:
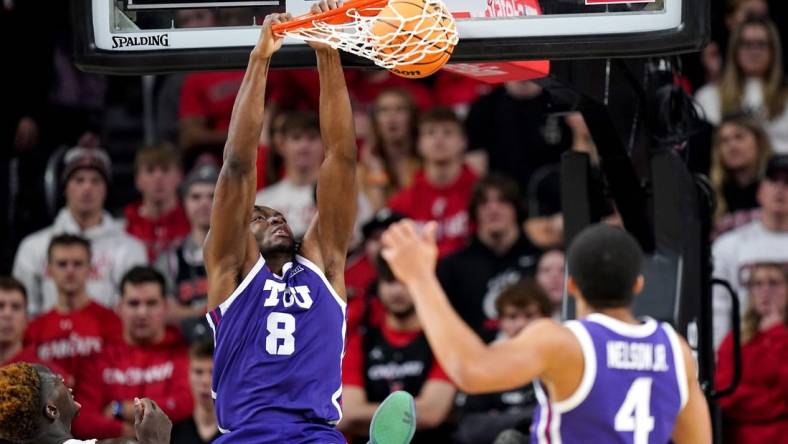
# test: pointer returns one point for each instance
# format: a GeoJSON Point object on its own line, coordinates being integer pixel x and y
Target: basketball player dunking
{"type": "Point", "coordinates": [276, 307]}
{"type": "Point", "coordinates": [607, 378]}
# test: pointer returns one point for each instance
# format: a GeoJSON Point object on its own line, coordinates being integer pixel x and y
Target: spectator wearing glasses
{"type": "Point", "coordinates": [485, 416]}
{"type": "Point", "coordinates": [763, 240]}
{"type": "Point", "coordinates": [752, 81]}
{"type": "Point", "coordinates": [757, 412]}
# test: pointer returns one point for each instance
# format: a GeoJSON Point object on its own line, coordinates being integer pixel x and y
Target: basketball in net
{"type": "Point", "coordinates": [417, 34]}
{"type": "Point", "coordinates": [411, 38]}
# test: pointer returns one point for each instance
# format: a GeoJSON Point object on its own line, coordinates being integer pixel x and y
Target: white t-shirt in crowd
{"type": "Point", "coordinates": [297, 204]}
{"type": "Point", "coordinates": [709, 104]}
{"type": "Point", "coordinates": [113, 253]}
{"type": "Point", "coordinates": [734, 253]}
{"type": "Point", "coordinates": [76, 441]}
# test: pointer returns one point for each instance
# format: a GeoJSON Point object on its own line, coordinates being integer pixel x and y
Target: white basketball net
{"type": "Point", "coordinates": [431, 32]}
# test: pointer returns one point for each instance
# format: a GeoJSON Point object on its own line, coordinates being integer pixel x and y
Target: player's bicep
{"type": "Point", "coordinates": [693, 424]}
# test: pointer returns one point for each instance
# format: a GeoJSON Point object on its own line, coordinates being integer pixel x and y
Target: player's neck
{"type": "Point", "coordinates": [623, 314]}
{"type": "Point", "coordinates": [9, 349]}
{"type": "Point", "coordinates": [71, 302]}
{"type": "Point", "coordinates": [408, 323]}
{"type": "Point", "coordinates": [275, 262]}
{"type": "Point", "coordinates": [441, 174]}
{"type": "Point", "coordinates": [154, 209]}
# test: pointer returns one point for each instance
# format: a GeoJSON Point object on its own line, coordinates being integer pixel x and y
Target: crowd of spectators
{"type": "Point", "coordinates": [111, 293]}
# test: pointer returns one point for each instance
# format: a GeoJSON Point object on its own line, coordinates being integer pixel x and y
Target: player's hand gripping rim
{"type": "Point", "coordinates": [269, 43]}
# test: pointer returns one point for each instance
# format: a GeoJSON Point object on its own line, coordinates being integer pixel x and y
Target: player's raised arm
{"type": "Point", "coordinates": [471, 364]}
{"type": "Point", "coordinates": [230, 249]}
{"type": "Point", "coordinates": [327, 239]}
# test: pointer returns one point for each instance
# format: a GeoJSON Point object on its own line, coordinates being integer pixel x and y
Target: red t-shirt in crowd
{"type": "Point", "coordinates": [67, 339]}
{"type": "Point", "coordinates": [294, 89]}
{"type": "Point", "coordinates": [210, 95]}
{"type": "Point", "coordinates": [365, 88]}
{"type": "Point", "coordinates": [456, 90]}
{"type": "Point", "coordinates": [757, 411]}
{"type": "Point", "coordinates": [122, 372]}
{"type": "Point", "coordinates": [30, 355]}
{"type": "Point", "coordinates": [353, 363]}
{"type": "Point", "coordinates": [424, 202]}
{"type": "Point", "coordinates": [158, 235]}
{"type": "Point", "coordinates": [263, 157]}
{"type": "Point", "coordinates": [360, 274]}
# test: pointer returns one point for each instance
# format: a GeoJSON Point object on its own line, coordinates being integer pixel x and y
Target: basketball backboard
{"type": "Point", "coordinates": [150, 36]}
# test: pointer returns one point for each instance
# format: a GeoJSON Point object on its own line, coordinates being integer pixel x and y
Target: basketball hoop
{"type": "Point", "coordinates": [412, 38]}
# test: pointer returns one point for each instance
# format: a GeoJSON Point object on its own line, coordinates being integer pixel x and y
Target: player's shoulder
{"type": "Point", "coordinates": [550, 332]}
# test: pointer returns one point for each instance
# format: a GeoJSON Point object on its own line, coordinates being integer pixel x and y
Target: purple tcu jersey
{"type": "Point", "coordinates": [633, 387]}
{"type": "Point", "coordinates": [277, 363]}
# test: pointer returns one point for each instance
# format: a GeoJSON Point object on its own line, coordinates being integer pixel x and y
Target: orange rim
{"type": "Point", "coordinates": [306, 20]}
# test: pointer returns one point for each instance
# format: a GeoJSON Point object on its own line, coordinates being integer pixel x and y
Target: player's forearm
{"type": "Point", "coordinates": [246, 123]}
{"type": "Point", "coordinates": [455, 345]}
{"type": "Point", "coordinates": [336, 115]}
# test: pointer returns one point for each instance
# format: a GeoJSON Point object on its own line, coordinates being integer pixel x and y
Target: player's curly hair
{"type": "Point", "coordinates": [20, 402]}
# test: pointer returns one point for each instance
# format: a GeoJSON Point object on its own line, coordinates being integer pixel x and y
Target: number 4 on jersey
{"type": "Point", "coordinates": [635, 413]}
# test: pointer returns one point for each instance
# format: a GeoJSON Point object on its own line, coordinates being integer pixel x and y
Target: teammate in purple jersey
{"type": "Point", "coordinates": [607, 378]}
{"type": "Point", "coordinates": [276, 307]}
